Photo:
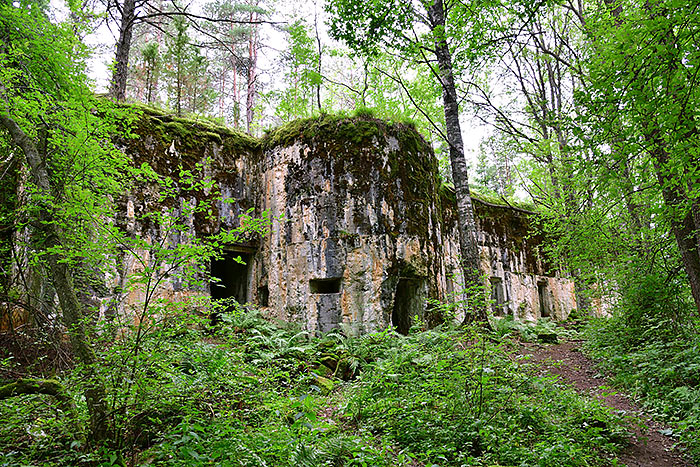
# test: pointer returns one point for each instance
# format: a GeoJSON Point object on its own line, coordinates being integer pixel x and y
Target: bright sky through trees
{"type": "Point", "coordinates": [102, 43]}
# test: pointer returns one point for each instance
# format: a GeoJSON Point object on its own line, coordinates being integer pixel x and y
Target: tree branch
{"type": "Point", "coordinates": [49, 387]}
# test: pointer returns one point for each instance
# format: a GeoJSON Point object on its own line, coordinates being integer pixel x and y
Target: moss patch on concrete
{"type": "Point", "coordinates": [357, 130]}
{"type": "Point", "coordinates": [353, 145]}
{"type": "Point", "coordinates": [193, 134]}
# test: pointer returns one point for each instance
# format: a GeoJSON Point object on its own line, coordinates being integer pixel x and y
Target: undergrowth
{"type": "Point", "coordinates": [544, 329]}
{"type": "Point", "coordinates": [658, 363]}
{"type": "Point", "coordinates": [256, 393]}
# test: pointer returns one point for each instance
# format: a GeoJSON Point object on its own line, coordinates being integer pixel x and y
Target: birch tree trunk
{"type": "Point", "coordinates": [465, 211]}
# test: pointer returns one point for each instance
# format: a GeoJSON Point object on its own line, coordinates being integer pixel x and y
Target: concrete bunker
{"type": "Point", "coordinates": [362, 230]}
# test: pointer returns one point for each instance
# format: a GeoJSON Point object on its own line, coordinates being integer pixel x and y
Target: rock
{"type": "Point", "coordinates": [324, 370]}
{"type": "Point", "coordinates": [324, 384]}
{"type": "Point", "coordinates": [331, 361]}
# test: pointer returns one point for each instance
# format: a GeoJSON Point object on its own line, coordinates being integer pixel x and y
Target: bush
{"type": "Point", "coordinates": [250, 394]}
{"type": "Point", "coordinates": [656, 361]}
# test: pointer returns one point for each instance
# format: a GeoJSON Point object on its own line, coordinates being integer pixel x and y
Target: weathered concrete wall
{"type": "Point", "coordinates": [360, 218]}
{"type": "Point", "coordinates": [175, 149]}
{"type": "Point", "coordinates": [522, 284]}
{"type": "Point", "coordinates": [356, 233]}
{"type": "Point", "coordinates": [362, 232]}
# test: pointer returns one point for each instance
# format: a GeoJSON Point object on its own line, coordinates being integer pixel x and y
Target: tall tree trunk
{"type": "Point", "coordinates": [319, 62]}
{"type": "Point", "coordinates": [252, 72]}
{"type": "Point", "coordinates": [61, 276]}
{"type": "Point", "coordinates": [682, 213]}
{"type": "Point", "coordinates": [149, 85]}
{"type": "Point", "coordinates": [117, 88]}
{"type": "Point", "coordinates": [236, 97]}
{"type": "Point", "coordinates": [179, 82]}
{"type": "Point", "coordinates": [471, 263]}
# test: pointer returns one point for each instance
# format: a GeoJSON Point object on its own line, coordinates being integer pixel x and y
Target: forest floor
{"type": "Point", "coordinates": [648, 446]}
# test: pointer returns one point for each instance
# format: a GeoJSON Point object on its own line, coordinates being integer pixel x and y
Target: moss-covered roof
{"type": "Point", "coordinates": [447, 192]}
{"type": "Point", "coordinates": [358, 130]}
{"type": "Point", "coordinates": [192, 131]}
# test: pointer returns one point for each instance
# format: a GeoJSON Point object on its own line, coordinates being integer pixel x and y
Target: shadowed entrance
{"type": "Point", "coordinates": [230, 277]}
{"type": "Point", "coordinates": [408, 303]}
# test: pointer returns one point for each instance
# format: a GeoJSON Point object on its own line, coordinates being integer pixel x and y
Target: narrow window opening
{"type": "Point", "coordinates": [544, 303]}
{"type": "Point", "coordinates": [230, 276]}
{"type": "Point", "coordinates": [407, 304]}
{"type": "Point", "coordinates": [325, 286]}
{"type": "Point", "coordinates": [263, 296]}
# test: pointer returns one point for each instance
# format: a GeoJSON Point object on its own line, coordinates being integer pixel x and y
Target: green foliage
{"type": "Point", "coordinates": [72, 132]}
{"type": "Point", "coordinates": [496, 170]}
{"type": "Point", "coordinates": [136, 362]}
{"type": "Point", "coordinates": [658, 361]}
{"type": "Point", "coordinates": [248, 395]}
{"type": "Point", "coordinates": [8, 214]}
{"type": "Point", "coordinates": [367, 25]}
{"type": "Point", "coordinates": [623, 217]}
{"type": "Point", "coordinates": [145, 73]}
{"type": "Point", "coordinates": [491, 197]}
{"type": "Point", "coordinates": [253, 393]}
{"type": "Point", "coordinates": [301, 59]}
{"type": "Point", "coordinates": [189, 88]}
{"type": "Point", "coordinates": [49, 100]}
{"type": "Point", "coordinates": [452, 398]}
{"type": "Point", "coordinates": [543, 330]}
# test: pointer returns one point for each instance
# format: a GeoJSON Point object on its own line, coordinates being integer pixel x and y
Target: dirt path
{"type": "Point", "coordinates": [648, 448]}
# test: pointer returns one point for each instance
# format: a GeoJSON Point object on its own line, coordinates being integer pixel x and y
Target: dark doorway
{"type": "Point", "coordinates": [326, 295]}
{"type": "Point", "coordinates": [544, 301]}
{"type": "Point", "coordinates": [230, 276]}
{"type": "Point", "coordinates": [407, 304]}
{"type": "Point", "coordinates": [263, 296]}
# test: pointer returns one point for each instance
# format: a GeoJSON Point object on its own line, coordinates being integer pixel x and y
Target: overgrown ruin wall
{"type": "Point", "coordinates": [521, 282]}
{"type": "Point", "coordinates": [360, 239]}
{"type": "Point", "coordinates": [362, 233]}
